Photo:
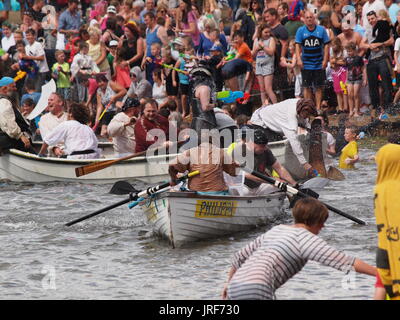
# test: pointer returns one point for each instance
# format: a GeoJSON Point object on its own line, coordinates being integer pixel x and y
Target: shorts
{"type": "Point", "coordinates": [313, 78]}
{"type": "Point", "coordinates": [235, 68]}
{"type": "Point", "coordinates": [184, 89]}
{"type": "Point", "coordinates": [353, 82]}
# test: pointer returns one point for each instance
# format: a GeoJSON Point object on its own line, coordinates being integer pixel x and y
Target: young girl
{"type": "Point", "coordinates": [184, 63]}
{"type": "Point", "coordinates": [121, 70]}
{"type": "Point", "coordinates": [264, 52]}
{"type": "Point", "coordinates": [159, 90]}
{"type": "Point", "coordinates": [355, 69]}
{"type": "Point", "coordinates": [339, 74]}
{"type": "Point", "coordinates": [172, 91]}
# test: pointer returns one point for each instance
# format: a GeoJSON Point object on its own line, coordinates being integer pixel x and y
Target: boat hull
{"type": "Point", "coordinates": [185, 217]}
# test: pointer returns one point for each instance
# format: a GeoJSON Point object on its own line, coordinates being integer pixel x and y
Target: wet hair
{"type": "Point", "coordinates": [310, 211]}
{"type": "Point", "coordinates": [79, 112]}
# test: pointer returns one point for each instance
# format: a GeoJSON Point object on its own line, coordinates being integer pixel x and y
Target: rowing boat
{"type": "Point", "coordinates": [21, 166]}
{"type": "Point", "coordinates": [185, 217]}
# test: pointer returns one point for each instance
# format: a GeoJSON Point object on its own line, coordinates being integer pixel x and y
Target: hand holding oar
{"type": "Point", "coordinates": [286, 188]}
{"type": "Point", "coordinates": [139, 196]}
{"type": "Point", "coordinates": [96, 166]}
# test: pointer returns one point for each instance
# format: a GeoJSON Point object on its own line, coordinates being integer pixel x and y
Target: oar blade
{"type": "Point", "coordinates": [316, 183]}
{"type": "Point", "coordinates": [335, 174]}
{"type": "Point", "coordinates": [123, 187]}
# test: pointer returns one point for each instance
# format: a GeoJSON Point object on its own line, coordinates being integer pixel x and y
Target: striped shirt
{"type": "Point", "coordinates": [312, 44]}
{"type": "Point", "coordinates": [269, 261]}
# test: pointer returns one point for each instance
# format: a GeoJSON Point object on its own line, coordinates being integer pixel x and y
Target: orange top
{"type": "Point", "coordinates": [244, 53]}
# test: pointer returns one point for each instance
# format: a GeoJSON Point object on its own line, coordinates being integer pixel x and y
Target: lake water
{"type": "Point", "coordinates": [111, 256]}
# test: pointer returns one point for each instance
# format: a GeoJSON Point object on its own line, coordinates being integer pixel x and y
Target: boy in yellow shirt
{"type": "Point", "coordinates": [349, 155]}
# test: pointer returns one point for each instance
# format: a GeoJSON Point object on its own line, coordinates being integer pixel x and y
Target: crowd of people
{"type": "Point", "coordinates": [125, 67]}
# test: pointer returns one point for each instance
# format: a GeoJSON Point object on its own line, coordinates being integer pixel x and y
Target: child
{"type": "Point", "coordinates": [121, 70]}
{"type": "Point", "coordinates": [153, 61]}
{"type": "Point", "coordinates": [81, 65]}
{"type": "Point", "coordinates": [293, 69]}
{"type": "Point", "coordinates": [349, 155]}
{"type": "Point", "coordinates": [29, 66]}
{"type": "Point", "coordinates": [215, 62]}
{"type": "Point", "coordinates": [172, 91]}
{"type": "Point", "coordinates": [181, 64]}
{"type": "Point", "coordinates": [264, 52]}
{"type": "Point", "coordinates": [355, 70]}
{"type": "Point", "coordinates": [339, 74]}
{"type": "Point", "coordinates": [61, 73]}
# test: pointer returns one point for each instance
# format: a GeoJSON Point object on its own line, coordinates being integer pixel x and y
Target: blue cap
{"type": "Point", "coordinates": [216, 48]}
{"type": "Point", "coordinates": [5, 81]}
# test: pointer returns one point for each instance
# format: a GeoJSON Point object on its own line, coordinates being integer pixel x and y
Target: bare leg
{"type": "Point", "coordinates": [185, 110]}
{"type": "Point", "coordinates": [357, 99]}
{"type": "Point", "coordinates": [350, 94]}
{"type": "Point", "coordinates": [307, 93]}
{"type": "Point", "coordinates": [268, 88]}
{"type": "Point", "coordinates": [340, 101]}
{"type": "Point", "coordinates": [318, 98]}
{"type": "Point", "coordinates": [260, 80]}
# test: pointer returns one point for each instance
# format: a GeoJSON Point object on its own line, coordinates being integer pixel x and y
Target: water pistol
{"type": "Point", "coordinates": [343, 87]}
{"type": "Point", "coordinates": [230, 56]}
{"type": "Point", "coordinates": [20, 75]}
{"type": "Point", "coordinates": [2, 52]}
{"type": "Point", "coordinates": [394, 82]}
{"type": "Point", "coordinates": [233, 96]}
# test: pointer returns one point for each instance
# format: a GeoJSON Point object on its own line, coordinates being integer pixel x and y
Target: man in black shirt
{"type": "Point", "coordinates": [254, 151]}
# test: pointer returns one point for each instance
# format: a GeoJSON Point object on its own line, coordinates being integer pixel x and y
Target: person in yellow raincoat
{"type": "Point", "coordinates": [387, 212]}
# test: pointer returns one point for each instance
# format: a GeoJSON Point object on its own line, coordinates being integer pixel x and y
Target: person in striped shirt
{"type": "Point", "coordinates": [265, 264]}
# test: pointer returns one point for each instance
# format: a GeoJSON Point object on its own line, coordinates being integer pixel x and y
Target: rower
{"type": "Point", "coordinates": [284, 119]}
{"type": "Point", "coordinates": [79, 139]}
{"type": "Point", "coordinates": [254, 151]}
{"type": "Point", "coordinates": [14, 130]}
{"type": "Point", "coordinates": [211, 161]}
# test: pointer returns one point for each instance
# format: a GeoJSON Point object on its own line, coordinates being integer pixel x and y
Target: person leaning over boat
{"type": "Point", "coordinates": [284, 118]}
{"type": "Point", "coordinates": [264, 265]}
{"type": "Point", "coordinates": [254, 150]}
{"type": "Point", "coordinates": [14, 130]}
{"type": "Point", "coordinates": [211, 161]}
{"type": "Point", "coordinates": [49, 121]}
{"type": "Point", "coordinates": [79, 139]}
{"type": "Point", "coordinates": [121, 128]}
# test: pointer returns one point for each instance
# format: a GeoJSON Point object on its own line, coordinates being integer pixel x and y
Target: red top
{"type": "Point", "coordinates": [143, 126]}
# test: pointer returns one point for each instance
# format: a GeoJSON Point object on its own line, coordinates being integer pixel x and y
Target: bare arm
{"type": "Point", "coordinates": [283, 173]}
{"type": "Point", "coordinates": [363, 267]}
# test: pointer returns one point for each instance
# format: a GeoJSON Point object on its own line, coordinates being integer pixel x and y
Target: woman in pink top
{"type": "Point", "coordinates": [187, 21]}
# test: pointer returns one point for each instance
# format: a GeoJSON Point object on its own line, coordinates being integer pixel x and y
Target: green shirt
{"type": "Point", "coordinates": [63, 79]}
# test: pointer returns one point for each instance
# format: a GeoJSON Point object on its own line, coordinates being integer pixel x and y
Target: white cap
{"type": "Point", "coordinates": [113, 43]}
{"type": "Point", "coordinates": [111, 9]}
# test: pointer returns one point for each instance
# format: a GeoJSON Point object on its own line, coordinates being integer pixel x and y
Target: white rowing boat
{"type": "Point", "coordinates": [21, 166]}
{"type": "Point", "coordinates": [184, 217]}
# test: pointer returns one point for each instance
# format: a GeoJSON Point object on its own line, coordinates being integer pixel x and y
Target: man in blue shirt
{"type": "Point", "coordinates": [70, 20]}
{"type": "Point", "coordinates": [312, 55]}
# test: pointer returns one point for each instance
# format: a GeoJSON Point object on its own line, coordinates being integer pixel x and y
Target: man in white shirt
{"type": "Point", "coordinates": [121, 128]}
{"type": "Point", "coordinates": [284, 118]}
{"type": "Point", "coordinates": [8, 37]}
{"type": "Point", "coordinates": [52, 119]}
{"type": "Point", "coordinates": [371, 5]}
{"type": "Point", "coordinates": [14, 130]}
{"type": "Point", "coordinates": [34, 51]}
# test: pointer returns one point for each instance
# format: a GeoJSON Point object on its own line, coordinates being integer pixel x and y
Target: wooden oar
{"type": "Point", "coordinates": [96, 166]}
{"type": "Point", "coordinates": [139, 196]}
{"type": "Point", "coordinates": [293, 191]}
{"type": "Point", "coordinates": [316, 157]}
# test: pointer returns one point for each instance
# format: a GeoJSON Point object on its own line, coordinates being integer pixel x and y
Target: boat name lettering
{"type": "Point", "coordinates": [215, 209]}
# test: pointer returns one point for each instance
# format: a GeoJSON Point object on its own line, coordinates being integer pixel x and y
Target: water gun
{"type": "Point", "coordinates": [343, 86]}
{"type": "Point", "coordinates": [231, 97]}
{"type": "Point", "coordinates": [230, 55]}
{"type": "Point", "coordinates": [172, 67]}
{"type": "Point", "coordinates": [394, 82]}
{"type": "Point", "coordinates": [2, 52]}
{"type": "Point", "coordinates": [20, 75]}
